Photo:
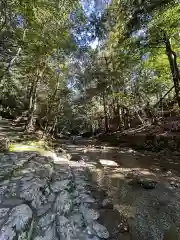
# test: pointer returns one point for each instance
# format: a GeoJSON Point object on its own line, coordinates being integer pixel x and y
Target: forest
{"type": "Point", "coordinates": [89, 65]}
{"type": "Point", "coordinates": [89, 119]}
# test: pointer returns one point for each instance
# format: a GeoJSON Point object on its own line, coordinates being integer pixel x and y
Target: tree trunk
{"type": "Point", "coordinates": [32, 101]}
{"type": "Point", "coordinates": [139, 117]}
{"type": "Point", "coordinates": [105, 114]}
{"type": "Point", "coordinates": [174, 68]}
{"type": "Point", "coordinates": [50, 104]}
{"type": "Point", "coordinates": [30, 124]}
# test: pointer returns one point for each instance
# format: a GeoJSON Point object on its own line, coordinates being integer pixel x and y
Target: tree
{"type": "Point", "coordinates": [41, 31]}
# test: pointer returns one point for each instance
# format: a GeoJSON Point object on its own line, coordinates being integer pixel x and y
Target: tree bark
{"type": "Point", "coordinates": [32, 101]}
{"type": "Point", "coordinates": [162, 98]}
{"type": "Point", "coordinates": [30, 124]}
{"type": "Point", "coordinates": [174, 68]}
{"type": "Point", "coordinates": [50, 104]}
{"type": "Point", "coordinates": [105, 114]}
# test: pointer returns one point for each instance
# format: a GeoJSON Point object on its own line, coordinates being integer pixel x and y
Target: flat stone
{"type": "Point", "coordinates": [20, 216]}
{"type": "Point", "coordinates": [63, 204]}
{"type": "Point", "coordinates": [3, 212]}
{"type": "Point", "coordinates": [60, 185]}
{"type": "Point", "coordinates": [43, 209]}
{"type": "Point", "coordinates": [100, 230]}
{"type": "Point", "coordinates": [65, 229]}
{"type": "Point", "coordinates": [13, 157]}
{"type": "Point", "coordinates": [59, 159]}
{"type": "Point", "coordinates": [16, 223]}
{"type": "Point", "coordinates": [12, 202]}
{"type": "Point", "coordinates": [5, 182]}
{"type": "Point", "coordinates": [16, 178]}
{"type": "Point", "coordinates": [89, 214]}
{"type": "Point", "coordinates": [50, 234]}
{"type": "Point", "coordinates": [51, 197]}
{"type": "Point", "coordinates": [47, 220]}
{"type": "Point", "coordinates": [7, 233]}
{"type": "Point", "coordinates": [27, 178]}
{"type": "Point", "coordinates": [77, 219]}
{"type": "Point", "coordinates": [30, 191]}
{"type": "Point", "coordinates": [86, 198]}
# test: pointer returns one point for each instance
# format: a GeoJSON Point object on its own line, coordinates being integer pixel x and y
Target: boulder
{"type": "Point", "coordinates": [16, 223]}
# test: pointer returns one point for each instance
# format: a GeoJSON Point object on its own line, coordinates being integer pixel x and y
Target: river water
{"type": "Point", "coordinates": [138, 192]}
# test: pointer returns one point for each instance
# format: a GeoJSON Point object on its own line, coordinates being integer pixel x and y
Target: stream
{"type": "Point", "coordinates": [94, 192]}
{"type": "Point", "coordinates": [138, 192]}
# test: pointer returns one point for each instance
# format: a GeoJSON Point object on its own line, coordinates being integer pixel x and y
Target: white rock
{"type": "Point", "coordinates": [19, 217]}
{"type": "Point", "coordinates": [60, 185]}
{"type": "Point", "coordinates": [100, 230]}
{"type": "Point", "coordinates": [17, 221]}
{"type": "Point", "coordinates": [45, 221]}
{"type": "Point", "coordinates": [3, 212]}
{"type": "Point", "coordinates": [50, 234]}
{"type": "Point", "coordinates": [89, 214]}
{"type": "Point", "coordinates": [63, 203]}
{"type": "Point", "coordinates": [66, 230]}
{"type": "Point", "coordinates": [86, 198]}
{"type": "Point", "coordinates": [7, 233]}
{"type": "Point", "coordinates": [30, 191]}
{"type": "Point", "coordinates": [77, 220]}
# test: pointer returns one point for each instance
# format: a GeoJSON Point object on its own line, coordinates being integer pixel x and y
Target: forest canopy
{"type": "Point", "coordinates": [89, 65]}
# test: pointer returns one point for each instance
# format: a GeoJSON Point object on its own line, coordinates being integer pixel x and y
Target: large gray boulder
{"type": "Point", "coordinates": [16, 223]}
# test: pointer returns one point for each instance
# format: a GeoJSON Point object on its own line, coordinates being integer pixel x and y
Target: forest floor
{"type": "Point", "coordinates": [94, 192]}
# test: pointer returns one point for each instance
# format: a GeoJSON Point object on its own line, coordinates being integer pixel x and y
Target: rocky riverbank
{"type": "Point", "coordinates": [46, 198]}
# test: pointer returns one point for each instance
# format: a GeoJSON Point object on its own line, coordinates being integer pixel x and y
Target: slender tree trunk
{"type": "Point", "coordinates": [139, 117]}
{"type": "Point", "coordinates": [105, 114]}
{"type": "Point", "coordinates": [30, 125]}
{"type": "Point", "coordinates": [50, 104]}
{"type": "Point", "coordinates": [174, 68]}
{"type": "Point", "coordinates": [32, 103]}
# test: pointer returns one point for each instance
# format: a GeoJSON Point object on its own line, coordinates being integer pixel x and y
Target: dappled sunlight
{"type": "Point", "coordinates": [94, 150]}
{"type": "Point", "coordinates": [91, 164]}
{"type": "Point", "coordinates": [106, 162]}
{"type": "Point", "coordinates": [27, 171]}
{"type": "Point", "coordinates": [23, 148]}
{"type": "Point", "coordinates": [126, 210]}
{"type": "Point", "coordinates": [117, 176]}
{"type": "Point", "coordinates": [147, 172]}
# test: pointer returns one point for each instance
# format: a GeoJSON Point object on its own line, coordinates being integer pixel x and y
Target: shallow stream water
{"type": "Point", "coordinates": [138, 192]}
